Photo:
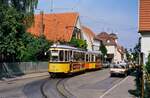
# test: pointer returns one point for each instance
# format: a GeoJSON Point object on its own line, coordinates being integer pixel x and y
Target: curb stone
{"type": "Point", "coordinates": [27, 76]}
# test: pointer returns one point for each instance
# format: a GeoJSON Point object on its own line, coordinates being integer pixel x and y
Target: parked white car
{"type": "Point", "coordinates": [119, 69]}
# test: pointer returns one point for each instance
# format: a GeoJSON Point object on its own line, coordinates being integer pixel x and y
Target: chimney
{"type": "Point", "coordinates": [41, 24]}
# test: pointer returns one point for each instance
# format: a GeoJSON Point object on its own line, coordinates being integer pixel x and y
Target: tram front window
{"type": "Point", "coordinates": [54, 58]}
{"type": "Point", "coordinates": [54, 55]}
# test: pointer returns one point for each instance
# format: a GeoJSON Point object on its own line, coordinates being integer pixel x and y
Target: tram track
{"type": "Point", "coordinates": [42, 90]}
{"type": "Point", "coordinates": [55, 88]}
{"type": "Point", "coordinates": [34, 89]}
{"type": "Point", "coordinates": [63, 90]}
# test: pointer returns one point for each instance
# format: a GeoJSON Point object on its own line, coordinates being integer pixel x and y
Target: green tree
{"type": "Point", "coordinates": [21, 5]}
{"type": "Point", "coordinates": [79, 43]}
{"type": "Point", "coordinates": [24, 7]}
{"type": "Point", "coordinates": [148, 64]}
{"type": "Point", "coordinates": [15, 17]}
{"type": "Point", "coordinates": [147, 82]}
{"type": "Point", "coordinates": [35, 48]}
{"type": "Point", "coordinates": [128, 55]}
{"type": "Point", "coordinates": [11, 31]}
{"type": "Point", "coordinates": [103, 49]}
{"type": "Point", "coordinates": [15, 43]}
{"type": "Point", "coordinates": [135, 52]}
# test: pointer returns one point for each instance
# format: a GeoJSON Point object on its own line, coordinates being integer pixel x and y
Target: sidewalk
{"type": "Point", "coordinates": [31, 75]}
{"type": "Point", "coordinates": [121, 90]}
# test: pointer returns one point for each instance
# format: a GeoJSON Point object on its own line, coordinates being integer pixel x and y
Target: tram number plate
{"type": "Point", "coordinates": [77, 66]}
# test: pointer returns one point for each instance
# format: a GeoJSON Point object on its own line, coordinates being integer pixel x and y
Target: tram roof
{"type": "Point", "coordinates": [73, 48]}
{"type": "Point", "coordinates": [64, 47]}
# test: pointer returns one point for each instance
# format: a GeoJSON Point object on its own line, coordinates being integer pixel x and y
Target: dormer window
{"type": "Point", "coordinates": [108, 41]}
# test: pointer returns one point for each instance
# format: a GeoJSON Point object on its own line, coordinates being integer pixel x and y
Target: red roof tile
{"type": "Point", "coordinates": [88, 32]}
{"type": "Point", "coordinates": [57, 26]}
{"type": "Point", "coordinates": [104, 37]}
{"type": "Point", "coordinates": [144, 17]}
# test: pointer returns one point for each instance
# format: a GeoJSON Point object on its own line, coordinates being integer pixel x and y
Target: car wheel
{"type": "Point", "coordinates": [111, 75]}
{"type": "Point", "coordinates": [125, 74]}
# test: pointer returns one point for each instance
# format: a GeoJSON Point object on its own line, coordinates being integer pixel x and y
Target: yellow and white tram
{"type": "Point", "coordinates": [66, 59]}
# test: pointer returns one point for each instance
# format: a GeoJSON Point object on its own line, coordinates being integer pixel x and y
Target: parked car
{"type": "Point", "coordinates": [119, 69]}
{"type": "Point", "coordinates": [106, 64]}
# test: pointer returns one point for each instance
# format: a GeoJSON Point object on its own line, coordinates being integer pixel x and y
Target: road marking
{"type": "Point", "coordinates": [113, 87]}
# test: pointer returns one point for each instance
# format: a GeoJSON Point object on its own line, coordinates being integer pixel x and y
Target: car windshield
{"type": "Point", "coordinates": [117, 66]}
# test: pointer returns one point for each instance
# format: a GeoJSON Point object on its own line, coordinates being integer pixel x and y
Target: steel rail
{"type": "Point", "coordinates": [62, 89]}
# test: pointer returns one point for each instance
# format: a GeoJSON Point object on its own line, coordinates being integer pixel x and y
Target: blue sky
{"type": "Point", "coordinates": [117, 16]}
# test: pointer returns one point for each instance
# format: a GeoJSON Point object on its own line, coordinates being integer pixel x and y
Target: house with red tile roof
{"type": "Point", "coordinates": [115, 52]}
{"type": "Point", "coordinates": [144, 27]}
{"type": "Point", "coordinates": [62, 27]}
{"type": "Point", "coordinates": [57, 27]}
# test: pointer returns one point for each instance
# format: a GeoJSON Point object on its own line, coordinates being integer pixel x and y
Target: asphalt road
{"type": "Point", "coordinates": [88, 85]}
{"type": "Point", "coordinates": [26, 88]}
{"type": "Point", "coordinates": [33, 90]}
{"type": "Point", "coordinates": [39, 87]}
{"type": "Point", "coordinates": [92, 84]}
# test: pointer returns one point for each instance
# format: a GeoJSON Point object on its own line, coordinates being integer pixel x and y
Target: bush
{"type": "Point", "coordinates": [79, 43]}
{"type": "Point", "coordinates": [148, 65]}
{"type": "Point", "coordinates": [147, 90]}
{"type": "Point", "coordinates": [147, 84]}
{"type": "Point", "coordinates": [34, 48]}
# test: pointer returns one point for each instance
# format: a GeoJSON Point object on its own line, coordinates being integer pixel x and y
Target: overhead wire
{"type": "Point", "coordinates": [108, 24]}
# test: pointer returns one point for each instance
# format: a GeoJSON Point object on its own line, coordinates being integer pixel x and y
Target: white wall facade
{"type": "Point", "coordinates": [88, 40]}
{"type": "Point", "coordinates": [84, 36]}
{"type": "Point", "coordinates": [145, 45]}
{"type": "Point", "coordinates": [113, 50]}
{"type": "Point", "coordinates": [78, 23]}
{"type": "Point", "coordinates": [117, 56]}
{"type": "Point", "coordinates": [96, 45]}
{"type": "Point", "coordinates": [92, 44]}
{"type": "Point", "coordinates": [110, 49]}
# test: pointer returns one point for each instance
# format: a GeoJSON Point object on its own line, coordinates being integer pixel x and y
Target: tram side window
{"type": "Point", "coordinates": [82, 56]}
{"type": "Point", "coordinates": [98, 59]}
{"type": "Point", "coordinates": [76, 56]}
{"type": "Point", "coordinates": [70, 56]}
{"type": "Point", "coordinates": [92, 59]}
{"type": "Point", "coordinates": [87, 57]}
{"type": "Point", "coordinates": [66, 56]}
{"type": "Point", "coordinates": [61, 55]}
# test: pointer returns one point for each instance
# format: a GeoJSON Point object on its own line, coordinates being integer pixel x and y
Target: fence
{"type": "Point", "coordinates": [20, 68]}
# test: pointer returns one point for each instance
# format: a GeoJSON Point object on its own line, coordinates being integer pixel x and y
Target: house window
{"type": "Point", "coordinates": [77, 33]}
{"type": "Point", "coordinates": [108, 41]}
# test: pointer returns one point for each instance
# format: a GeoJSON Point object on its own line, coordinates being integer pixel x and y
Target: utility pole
{"type": "Point", "coordinates": [142, 75]}
{"type": "Point", "coordinates": [141, 63]}
{"type": "Point", "coordinates": [51, 6]}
